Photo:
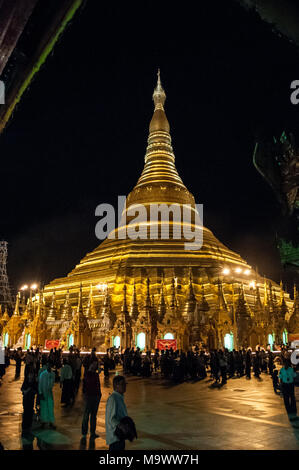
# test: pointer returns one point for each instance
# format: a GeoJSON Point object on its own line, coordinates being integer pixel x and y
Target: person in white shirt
{"type": "Point", "coordinates": [115, 411]}
{"type": "Point", "coordinates": [287, 375]}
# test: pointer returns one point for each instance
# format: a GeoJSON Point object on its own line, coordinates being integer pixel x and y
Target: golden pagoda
{"type": "Point", "coordinates": [135, 290]}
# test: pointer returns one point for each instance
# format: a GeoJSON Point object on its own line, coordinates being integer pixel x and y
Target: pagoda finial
{"type": "Point", "coordinates": [159, 120]}
{"type": "Point", "coordinates": [159, 95]}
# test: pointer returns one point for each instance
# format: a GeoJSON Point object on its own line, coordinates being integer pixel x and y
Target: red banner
{"type": "Point", "coordinates": [166, 344]}
{"type": "Point", "coordinates": [52, 343]}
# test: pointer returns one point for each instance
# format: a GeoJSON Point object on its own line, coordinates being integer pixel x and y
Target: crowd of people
{"type": "Point", "coordinates": [197, 364]}
{"type": "Point", "coordinates": [43, 369]}
{"type": "Point", "coordinates": [41, 372]}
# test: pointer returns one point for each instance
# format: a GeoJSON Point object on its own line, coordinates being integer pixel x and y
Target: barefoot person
{"type": "Point", "coordinates": [92, 396]}
{"type": "Point", "coordinates": [45, 385]}
{"type": "Point", "coordinates": [115, 411]}
{"type": "Point", "coordinates": [66, 383]}
{"type": "Point", "coordinates": [287, 375]}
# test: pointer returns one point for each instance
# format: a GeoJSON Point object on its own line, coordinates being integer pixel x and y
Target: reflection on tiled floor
{"type": "Point", "coordinates": [244, 414]}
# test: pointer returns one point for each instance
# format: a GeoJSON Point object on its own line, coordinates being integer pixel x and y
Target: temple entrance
{"type": "Point", "coordinates": [168, 336]}
{"type": "Point", "coordinates": [141, 341]}
{"type": "Point", "coordinates": [71, 340]}
{"type": "Point", "coordinates": [27, 341]}
{"type": "Point", "coordinates": [229, 341]}
{"type": "Point", "coordinates": [6, 338]}
{"type": "Point", "coordinates": [116, 341]}
{"type": "Point", "coordinates": [271, 341]}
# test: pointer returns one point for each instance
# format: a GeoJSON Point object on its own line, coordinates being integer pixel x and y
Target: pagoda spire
{"type": "Point", "coordinates": [53, 309]}
{"type": "Point", "coordinates": [67, 312]}
{"type": "Point", "coordinates": [148, 297]}
{"type": "Point", "coordinates": [124, 307]}
{"type": "Point", "coordinates": [191, 295]}
{"type": "Point", "coordinates": [5, 317]}
{"type": "Point", "coordinates": [203, 306]}
{"type": "Point", "coordinates": [90, 310]}
{"type": "Point", "coordinates": [16, 312]}
{"type": "Point", "coordinates": [28, 312]}
{"type": "Point", "coordinates": [134, 312]}
{"type": "Point", "coordinates": [258, 302]}
{"type": "Point", "coordinates": [40, 304]}
{"type": "Point", "coordinates": [80, 312]}
{"type": "Point", "coordinates": [159, 95]}
{"type": "Point", "coordinates": [222, 305]}
{"type": "Point", "coordinates": [108, 317]}
{"type": "Point", "coordinates": [159, 170]}
{"type": "Point", "coordinates": [173, 302]}
{"type": "Point", "coordinates": [190, 303]}
{"type": "Point", "coordinates": [266, 299]}
{"type": "Point", "coordinates": [162, 303]}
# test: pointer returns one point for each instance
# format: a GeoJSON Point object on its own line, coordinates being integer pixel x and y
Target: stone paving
{"type": "Point", "coordinates": [243, 414]}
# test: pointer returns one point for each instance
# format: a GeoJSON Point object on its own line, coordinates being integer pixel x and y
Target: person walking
{"type": "Point", "coordinates": [92, 396]}
{"type": "Point", "coordinates": [18, 358]}
{"type": "Point", "coordinates": [45, 389]}
{"type": "Point", "coordinates": [223, 367]}
{"type": "Point", "coordinates": [29, 390]}
{"type": "Point", "coordinates": [287, 375]}
{"type": "Point", "coordinates": [275, 381]}
{"type": "Point", "coordinates": [78, 368]}
{"type": "Point", "coordinates": [271, 362]}
{"type": "Point", "coordinates": [256, 363]}
{"type": "Point", "coordinates": [115, 411]}
{"type": "Point", "coordinates": [248, 363]}
{"type": "Point", "coordinates": [66, 383]}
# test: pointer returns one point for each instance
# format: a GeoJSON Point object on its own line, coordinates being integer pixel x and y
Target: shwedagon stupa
{"type": "Point", "coordinates": [131, 292]}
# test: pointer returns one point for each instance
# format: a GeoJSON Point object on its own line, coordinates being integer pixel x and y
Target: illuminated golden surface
{"type": "Point", "coordinates": [215, 293]}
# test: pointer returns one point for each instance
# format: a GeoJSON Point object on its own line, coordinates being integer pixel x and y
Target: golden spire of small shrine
{"type": "Point", "coordinates": [17, 306]}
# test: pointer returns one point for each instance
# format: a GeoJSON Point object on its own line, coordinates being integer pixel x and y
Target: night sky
{"type": "Point", "coordinates": [78, 137]}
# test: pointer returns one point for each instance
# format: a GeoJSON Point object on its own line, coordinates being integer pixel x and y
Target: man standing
{"type": "Point", "coordinates": [92, 395]}
{"type": "Point", "coordinates": [248, 363]}
{"type": "Point", "coordinates": [29, 389]}
{"type": "Point", "coordinates": [78, 367]}
{"type": "Point", "coordinates": [115, 411]}
{"type": "Point", "coordinates": [223, 367]}
{"type": "Point", "coordinates": [18, 358]}
{"type": "Point", "coordinates": [287, 375]}
{"type": "Point", "coordinates": [66, 382]}
{"type": "Point", "coordinates": [45, 385]}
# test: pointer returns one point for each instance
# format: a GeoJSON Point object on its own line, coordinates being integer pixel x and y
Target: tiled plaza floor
{"type": "Point", "coordinates": [244, 414]}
